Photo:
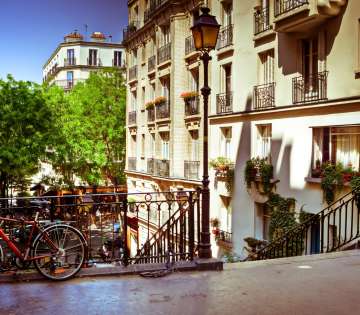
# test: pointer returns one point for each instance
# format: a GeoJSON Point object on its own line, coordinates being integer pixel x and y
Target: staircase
{"type": "Point", "coordinates": [177, 237]}
{"type": "Point", "coordinates": [337, 227]}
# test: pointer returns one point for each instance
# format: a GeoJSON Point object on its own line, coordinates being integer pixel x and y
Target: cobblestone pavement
{"type": "Point", "coordinates": [316, 285]}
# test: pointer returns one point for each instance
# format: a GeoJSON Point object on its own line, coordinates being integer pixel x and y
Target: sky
{"type": "Point", "coordinates": [30, 30]}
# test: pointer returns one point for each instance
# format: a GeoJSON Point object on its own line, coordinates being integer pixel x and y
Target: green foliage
{"type": "Point", "coordinates": [90, 142]}
{"type": "Point", "coordinates": [331, 181]}
{"type": "Point", "coordinates": [225, 167]}
{"type": "Point", "coordinates": [355, 183]}
{"type": "Point", "coordinates": [263, 168]}
{"type": "Point", "coordinates": [220, 163]}
{"type": "Point", "coordinates": [26, 124]}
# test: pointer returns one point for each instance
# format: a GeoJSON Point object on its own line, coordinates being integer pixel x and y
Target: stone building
{"type": "Point", "coordinates": [285, 88]}
{"type": "Point", "coordinates": [74, 59]}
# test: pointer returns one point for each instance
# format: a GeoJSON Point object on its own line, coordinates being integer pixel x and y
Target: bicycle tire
{"type": "Point", "coordinates": [58, 265]}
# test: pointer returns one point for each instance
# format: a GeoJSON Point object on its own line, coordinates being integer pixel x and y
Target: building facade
{"type": "Point", "coordinates": [285, 88]}
{"type": "Point", "coordinates": [74, 59]}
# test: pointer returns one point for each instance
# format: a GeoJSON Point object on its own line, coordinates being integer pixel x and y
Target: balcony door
{"type": "Point", "coordinates": [92, 57]}
{"type": "Point", "coordinates": [310, 65]}
{"type": "Point", "coordinates": [266, 74]}
{"type": "Point", "coordinates": [70, 57]}
{"type": "Point", "coordinates": [227, 14]}
{"type": "Point", "coordinates": [70, 78]}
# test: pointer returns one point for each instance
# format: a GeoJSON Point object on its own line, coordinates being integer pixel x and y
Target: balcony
{"type": "Point", "coordinates": [132, 73]}
{"type": "Point", "coordinates": [67, 85]}
{"type": "Point", "coordinates": [163, 110]}
{"type": "Point", "coordinates": [151, 63]}
{"type": "Point", "coordinates": [225, 37]}
{"type": "Point", "coordinates": [224, 238]}
{"type": "Point", "coordinates": [68, 62]}
{"type": "Point", "coordinates": [132, 118]}
{"type": "Point", "coordinates": [192, 106]}
{"type": "Point", "coordinates": [261, 21]}
{"type": "Point", "coordinates": [310, 89]}
{"type": "Point", "coordinates": [224, 103]}
{"type": "Point", "coordinates": [164, 53]}
{"type": "Point", "coordinates": [151, 114]}
{"type": "Point", "coordinates": [304, 15]}
{"type": "Point", "coordinates": [94, 62]}
{"type": "Point", "coordinates": [189, 45]}
{"type": "Point", "coordinates": [162, 168]}
{"type": "Point", "coordinates": [130, 29]}
{"type": "Point", "coordinates": [150, 166]}
{"type": "Point", "coordinates": [132, 163]}
{"type": "Point", "coordinates": [264, 96]}
{"type": "Point", "coordinates": [191, 169]}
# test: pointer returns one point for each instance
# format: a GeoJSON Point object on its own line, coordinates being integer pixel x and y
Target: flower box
{"type": "Point", "coordinates": [187, 95]}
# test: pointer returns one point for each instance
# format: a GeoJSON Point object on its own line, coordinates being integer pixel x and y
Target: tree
{"type": "Point", "coordinates": [26, 123]}
{"type": "Point", "coordinates": [91, 120]}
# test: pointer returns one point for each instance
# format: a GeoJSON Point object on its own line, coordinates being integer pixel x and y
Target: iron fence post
{"type": "Point", "coordinates": [126, 249]}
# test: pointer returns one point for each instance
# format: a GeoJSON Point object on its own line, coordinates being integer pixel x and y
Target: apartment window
{"type": "Point", "coordinates": [266, 74]}
{"type": "Point", "coordinates": [165, 150]}
{"type": "Point", "coordinates": [194, 80]}
{"type": "Point", "coordinates": [263, 141]}
{"type": "Point", "coordinates": [133, 101]}
{"type": "Point", "coordinates": [143, 54]}
{"type": "Point", "coordinates": [70, 57]}
{"type": "Point", "coordinates": [117, 58]}
{"type": "Point", "coordinates": [152, 91]}
{"type": "Point", "coordinates": [310, 63]}
{"type": "Point", "coordinates": [226, 82]}
{"type": "Point", "coordinates": [142, 145]}
{"type": "Point", "coordinates": [226, 135]}
{"type": "Point", "coordinates": [143, 94]}
{"type": "Point", "coordinates": [152, 145]}
{"type": "Point", "coordinates": [134, 58]}
{"type": "Point", "coordinates": [70, 79]}
{"type": "Point", "coordinates": [194, 145]}
{"type": "Point", "coordinates": [166, 88]}
{"type": "Point", "coordinates": [227, 14]}
{"type": "Point", "coordinates": [165, 38]}
{"type": "Point", "coordinates": [338, 145]}
{"type": "Point", "coordinates": [92, 61]}
{"type": "Point", "coordinates": [133, 145]}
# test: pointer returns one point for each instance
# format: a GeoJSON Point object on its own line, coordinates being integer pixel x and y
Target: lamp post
{"type": "Point", "coordinates": [205, 33]}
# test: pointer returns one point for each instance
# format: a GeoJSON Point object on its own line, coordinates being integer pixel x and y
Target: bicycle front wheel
{"type": "Point", "coordinates": [61, 249]}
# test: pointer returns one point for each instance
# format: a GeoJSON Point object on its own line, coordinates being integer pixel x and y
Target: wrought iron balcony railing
{"type": "Point", "coordinates": [225, 37]}
{"type": "Point", "coordinates": [310, 89]}
{"type": "Point", "coordinates": [151, 63]}
{"type": "Point", "coordinates": [132, 118]}
{"type": "Point", "coordinates": [192, 106]}
{"type": "Point", "coordinates": [132, 163]}
{"type": "Point", "coordinates": [162, 168]}
{"type": "Point", "coordinates": [150, 166]}
{"type": "Point", "coordinates": [264, 96]}
{"type": "Point", "coordinates": [130, 29]}
{"type": "Point", "coordinates": [191, 169]}
{"type": "Point", "coordinates": [69, 62]}
{"type": "Point", "coordinates": [164, 53]}
{"type": "Point", "coordinates": [67, 84]}
{"type": "Point", "coordinates": [224, 236]}
{"type": "Point", "coordinates": [261, 21]}
{"type": "Point", "coordinates": [94, 62]}
{"type": "Point", "coordinates": [283, 6]}
{"type": "Point", "coordinates": [132, 73]}
{"type": "Point", "coordinates": [224, 103]}
{"type": "Point", "coordinates": [163, 110]}
{"type": "Point", "coordinates": [189, 45]}
{"type": "Point", "coordinates": [151, 114]}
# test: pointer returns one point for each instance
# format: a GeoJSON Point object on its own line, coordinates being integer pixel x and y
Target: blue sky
{"type": "Point", "coordinates": [31, 29]}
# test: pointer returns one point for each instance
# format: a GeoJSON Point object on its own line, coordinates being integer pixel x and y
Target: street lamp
{"type": "Point", "coordinates": [205, 33]}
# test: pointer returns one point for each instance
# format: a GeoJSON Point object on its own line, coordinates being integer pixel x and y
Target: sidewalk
{"type": "Point", "coordinates": [316, 285]}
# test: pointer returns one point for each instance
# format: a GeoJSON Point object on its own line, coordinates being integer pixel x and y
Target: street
{"type": "Point", "coordinates": [324, 284]}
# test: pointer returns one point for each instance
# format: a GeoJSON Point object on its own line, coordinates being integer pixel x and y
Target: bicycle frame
{"type": "Point", "coordinates": [24, 256]}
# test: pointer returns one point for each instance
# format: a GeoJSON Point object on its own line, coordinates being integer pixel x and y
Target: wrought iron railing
{"type": "Point", "coordinates": [132, 118]}
{"type": "Point", "coordinates": [329, 230]}
{"type": "Point", "coordinates": [150, 166]}
{"type": "Point", "coordinates": [310, 89]}
{"type": "Point", "coordinates": [94, 62]}
{"type": "Point", "coordinates": [133, 73]}
{"type": "Point", "coordinates": [224, 103]}
{"type": "Point", "coordinates": [164, 53]}
{"type": "Point", "coordinates": [130, 29]}
{"type": "Point", "coordinates": [162, 168]}
{"type": "Point", "coordinates": [191, 169]}
{"type": "Point", "coordinates": [69, 62]}
{"type": "Point", "coordinates": [224, 236]}
{"type": "Point", "coordinates": [225, 37]}
{"type": "Point", "coordinates": [151, 63]}
{"type": "Point", "coordinates": [151, 114]}
{"type": "Point", "coordinates": [192, 106]}
{"type": "Point", "coordinates": [156, 223]}
{"type": "Point", "coordinates": [68, 84]}
{"type": "Point", "coordinates": [163, 110]}
{"type": "Point", "coordinates": [261, 20]}
{"type": "Point", "coordinates": [132, 163]}
{"type": "Point", "coordinates": [264, 96]}
{"type": "Point", "coordinates": [283, 6]}
{"type": "Point", "coordinates": [189, 45]}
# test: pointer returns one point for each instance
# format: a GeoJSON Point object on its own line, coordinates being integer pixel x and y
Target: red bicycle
{"type": "Point", "coordinates": [57, 251]}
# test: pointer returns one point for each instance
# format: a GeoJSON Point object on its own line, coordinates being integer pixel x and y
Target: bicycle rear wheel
{"type": "Point", "coordinates": [62, 248]}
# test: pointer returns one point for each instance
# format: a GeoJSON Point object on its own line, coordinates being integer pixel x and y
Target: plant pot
{"type": "Point", "coordinates": [316, 173]}
{"type": "Point", "coordinates": [347, 177]}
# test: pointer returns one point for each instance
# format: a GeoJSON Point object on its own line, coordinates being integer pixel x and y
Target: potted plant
{"type": "Point", "coordinates": [348, 173]}
{"type": "Point", "coordinates": [159, 100]}
{"type": "Point", "coordinates": [149, 104]}
{"type": "Point", "coordinates": [188, 95]}
{"type": "Point", "coordinates": [317, 171]}
{"type": "Point", "coordinates": [215, 223]}
{"type": "Point", "coordinates": [331, 180]}
{"type": "Point", "coordinates": [220, 164]}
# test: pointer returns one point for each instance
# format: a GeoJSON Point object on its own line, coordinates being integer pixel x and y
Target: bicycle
{"type": "Point", "coordinates": [58, 251]}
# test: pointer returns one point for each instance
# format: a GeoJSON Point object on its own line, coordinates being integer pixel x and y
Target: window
{"type": "Point", "coordinates": [142, 145]}
{"type": "Point", "coordinates": [70, 79]}
{"type": "Point", "coordinates": [117, 58]}
{"type": "Point", "coordinates": [310, 64]}
{"type": "Point", "coordinates": [133, 101]}
{"type": "Point", "coordinates": [152, 91]}
{"type": "Point", "coordinates": [165, 35]}
{"type": "Point", "coordinates": [134, 58]}
{"type": "Point", "coordinates": [226, 82]}
{"type": "Point", "coordinates": [152, 145]}
{"type": "Point", "coordinates": [266, 74]}
{"type": "Point", "coordinates": [92, 60]}
{"type": "Point", "coordinates": [263, 141]}
{"type": "Point", "coordinates": [165, 146]}
{"type": "Point", "coordinates": [194, 145]}
{"type": "Point", "coordinates": [337, 145]}
{"type": "Point", "coordinates": [133, 145]}
{"type": "Point", "coordinates": [166, 88]}
{"type": "Point", "coordinates": [266, 217]}
{"type": "Point", "coordinates": [227, 14]}
{"type": "Point", "coordinates": [70, 57]}
{"type": "Point", "coordinates": [226, 134]}
{"type": "Point", "coordinates": [194, 80]}
{"type": "Point", "coordinates": [143, 94]}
